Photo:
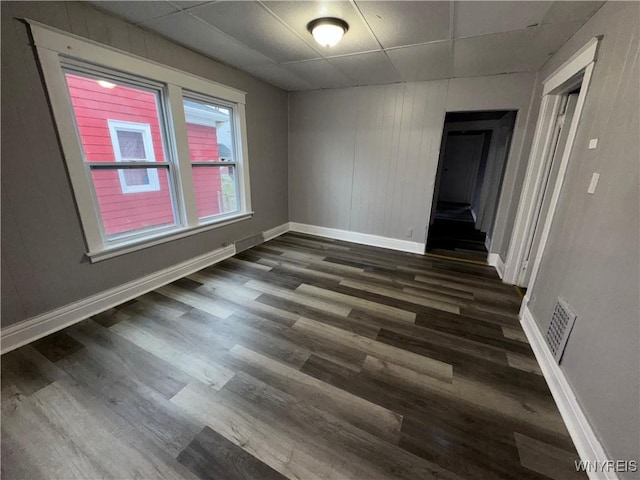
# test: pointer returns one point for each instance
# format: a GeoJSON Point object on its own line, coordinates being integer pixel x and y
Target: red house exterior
{"type": "Point", "coordinates": [117, 122]}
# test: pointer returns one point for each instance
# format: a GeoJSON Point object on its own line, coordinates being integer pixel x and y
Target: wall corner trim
{"type": "Point", "coordinates": [495, 260]}
{"type": "Point", "coordinates": [361, 238]}
{"type": "Point", "coordinates": [584, 438]}
{"type": "Point", "coordinates": [27, 331]}
{"type": "Point", "coordinates": [276, 231]}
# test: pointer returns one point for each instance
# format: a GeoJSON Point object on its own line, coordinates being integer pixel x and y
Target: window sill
{"type": "Point", "coordinates": [123, 248]}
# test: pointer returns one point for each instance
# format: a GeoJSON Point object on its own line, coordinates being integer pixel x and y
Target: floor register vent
{"type": "Point", "coordinates": [560, 327]}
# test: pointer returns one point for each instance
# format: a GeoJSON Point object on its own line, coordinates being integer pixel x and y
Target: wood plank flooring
{"type": "Point", "coordinates": [301, 358]}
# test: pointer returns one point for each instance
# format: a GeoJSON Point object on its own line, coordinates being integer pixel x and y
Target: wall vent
{"type": "Point", "coordinates": [247, 243]}
{"type": "Point", "coordinates": [559, 329]}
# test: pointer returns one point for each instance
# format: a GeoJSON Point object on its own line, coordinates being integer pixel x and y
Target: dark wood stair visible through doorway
{"type": "Point", "coordinates": [453, 233]}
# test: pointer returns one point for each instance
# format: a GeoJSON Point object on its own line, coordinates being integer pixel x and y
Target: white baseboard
{"type": "Point", "coordinates": [362, 238]}
{"type": "Point", "coordinates": [32, 329]}
{"type": "Point", "coordinates": [276, 232]}
{"type": "Point", "coordinates": [494, 260]}
{"type": "Point", "coordinates": [584, 438]}
{"type": "Point", "coordinates": [37, 327]}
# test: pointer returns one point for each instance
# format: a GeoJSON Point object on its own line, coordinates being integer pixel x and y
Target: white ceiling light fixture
{"type": "Point", "coordinates": [328, 31]}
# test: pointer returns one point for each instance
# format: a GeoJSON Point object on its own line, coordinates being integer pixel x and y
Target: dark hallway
{"type": "Point", "coordinates": [472, 159]}
{"type": "Point", "coordinates": [454, 230]}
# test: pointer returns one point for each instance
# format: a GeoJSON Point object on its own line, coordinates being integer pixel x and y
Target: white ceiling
{"type": "Point", "coordinates": [387, 41]}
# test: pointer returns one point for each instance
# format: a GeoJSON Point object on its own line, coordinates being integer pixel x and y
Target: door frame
{"type": "Point", "coordinates": [574, 72]}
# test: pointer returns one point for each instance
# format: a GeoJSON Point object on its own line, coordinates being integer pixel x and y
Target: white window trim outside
{"type": "Point", "coordinates": [116, 126]}
{"type": "Point", "coordinates": [55, 49]}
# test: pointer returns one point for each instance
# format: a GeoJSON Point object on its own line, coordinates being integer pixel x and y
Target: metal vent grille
{"type": "Point", "coordinates": [560, 327]}
{"type": "Point", "coordinates": [247, 243]}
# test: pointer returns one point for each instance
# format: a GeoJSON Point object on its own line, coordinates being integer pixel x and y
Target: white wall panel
{"type": "Point", "coordinates": [389, 136]}
{"type": "Point", "coordinates": [362, 159]}
{"type": "Point", "coordinates": [321, 140]}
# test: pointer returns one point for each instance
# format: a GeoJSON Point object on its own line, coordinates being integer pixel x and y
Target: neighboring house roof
{"type": "Point", "coordinates": [200, 114]}
{"type": "Point", "coordinates": [224, 151]}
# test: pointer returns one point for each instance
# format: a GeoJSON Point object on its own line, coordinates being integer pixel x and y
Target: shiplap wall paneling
{"type": "Point", "coordinates": [391, 137]}
{"type": "Point", "coordinates": [398, 126]}
{"type": "Point", "coordinates": [363, 159]}
{"type": "Point", "coordinates": [320, 177]}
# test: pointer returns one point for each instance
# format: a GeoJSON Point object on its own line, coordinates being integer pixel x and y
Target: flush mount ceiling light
{"type": "Point", "coordinates": [327, 31]}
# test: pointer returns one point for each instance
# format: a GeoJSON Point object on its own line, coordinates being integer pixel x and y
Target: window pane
{"type": "Point", "coordinates": [131, 145]}
{"type": "Point", "coordinates": [136, 177]}
{"type": "Point", "coordinates": [116, 122]}
{"type": "Point", "coordinates": [216, 191]}
{"type": "Point", "coordinates": [209, 132]}
{"type": "Point", "coordinates": [129, 213]}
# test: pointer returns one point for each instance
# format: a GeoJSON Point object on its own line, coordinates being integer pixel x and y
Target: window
{"type": "Point", "coordinates": [153, 153]}
{"type": "Point", "coordinates": [213, 162]}
{"type": "Point", "coordinates": [132, 143]}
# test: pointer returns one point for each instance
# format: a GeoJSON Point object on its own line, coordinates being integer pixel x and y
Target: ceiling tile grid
{"type": "Point", "coordinates": [407, 23]}
{"type": "Point", "coordinates": [387, 41]}
{"type": "Point", "coordinates": [254, 26]}
{"type": "Point", "coordinates": [373, 68]}
{"type": "Point", "coordinates": [434, 61]}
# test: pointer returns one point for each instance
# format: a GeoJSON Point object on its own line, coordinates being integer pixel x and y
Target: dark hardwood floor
{"type": "Point", "coordinates": [300, 358]}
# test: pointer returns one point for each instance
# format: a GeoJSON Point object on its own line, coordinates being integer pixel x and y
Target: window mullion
{"type": "Point", "coordinates": [128, 164]}
{"type": "Point", "coordinates": [183, 160]}
{"type": "Point", "coordinates": [214, 164]}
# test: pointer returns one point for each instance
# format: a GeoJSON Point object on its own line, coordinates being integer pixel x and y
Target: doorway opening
{"type": "Point", "coordinates": [473, 154]}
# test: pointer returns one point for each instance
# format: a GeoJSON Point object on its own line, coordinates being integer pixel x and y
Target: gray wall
{"type": "Point", "coordinates": [593, 254]}
{"type": "Point", "coordinates": [42, 241]}
{"type": "Point", "coordinates": [364, 159]}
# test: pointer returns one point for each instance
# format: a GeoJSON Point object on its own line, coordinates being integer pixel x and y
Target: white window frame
{"type": "Point", "coordinates": [116, 126]}
{"type": "Point", "coordinates": [57, 50]}
{"type": "Point", "coordinates": [197, 119]}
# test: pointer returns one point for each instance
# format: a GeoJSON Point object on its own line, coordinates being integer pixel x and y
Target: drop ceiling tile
{"type": "Point", "coordinates": [367, 68]}
{"type": "Point", "coordinates": [319, 73]}
{"type": "Point", "coordinates": [429, 61]}
{"type": "Point", "coordinates": [196, 35]}
{"type": "Point", "coordinates": [254, 26]}
{"type": "Point", "coordinates": [280, 77]}
{"type": "Point", "coordinates": [561, 12]}
{"type": "Point", "coordinates": [546, 39]}
{"type": "Point", "coordinates": [480, 18]}
{"type": "Point", "coordinates": [298, 14]}
{"type": "Point", "coordinates": [184, 4]}
{"type": "Point", "coordinates": [137, 12]}
{"type": "Point", "coordinates": [491, 54]}
{"type": "Point", "coordinates": [406, 23]}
